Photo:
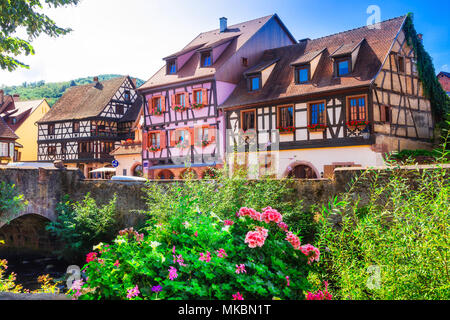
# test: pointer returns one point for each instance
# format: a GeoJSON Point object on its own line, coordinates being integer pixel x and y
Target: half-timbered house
{"type": "Point", "coordinates": [341, 100]}
{"type": "Point", "coordinates": [85, 124]}
{"type": "Point", "coordinates": [8, 138]}
{"type": "Point", "coordinates": [183, 125]}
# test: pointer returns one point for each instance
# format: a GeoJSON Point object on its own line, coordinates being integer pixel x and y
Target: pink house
{"type": "Point", "coordinates": [183, 129]}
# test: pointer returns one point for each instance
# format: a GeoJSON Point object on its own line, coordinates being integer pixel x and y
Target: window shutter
{"type": "Point", "coordinates": [212, 132]}
{"type": "Point", "coordinates": [191, 136]}
{"type": "Point", "coordinates": [172, 135]}
{"type": "Point", "coordinates": [186, 99]}
{"type": "Point", "coordinates": [205, 96]}
{"type": "Point", "coordinates": [196, 133]}
{"type": "Point", "coordinates": [145, 141]}
{"type": "Point", "coordinates": [173, 100]}
{"type": "Point", "coordinates": [150, 106]}
{"type": "Point", "coordinates": [162, 139]}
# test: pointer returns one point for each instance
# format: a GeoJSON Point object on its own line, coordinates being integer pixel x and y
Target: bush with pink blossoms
{"type": "Point", "coordinates": [197, 255]}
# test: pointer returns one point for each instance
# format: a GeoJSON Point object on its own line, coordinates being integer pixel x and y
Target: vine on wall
{"type": "Point", "coordinates": [440, 101]}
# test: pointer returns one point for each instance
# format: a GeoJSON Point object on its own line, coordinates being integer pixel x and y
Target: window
{"type": "Point", "coordinates": [76, 127]}
{"type": "Point", "coordinates": [14, 120]}
{"type": "Point", "coordinates": [119, 109]}
{"type": "Point", "coordinates": [385, 114]}
{"type": "Point", "coordinates": [155, 139]}
{"type": "Point", "coordinates": [156, 105]}
{"type": "Point", "coordinates": [248, 120]}
{"type": "Point", "coordinates": [180, 136]}
{"type": "Point", "coordinates": [286, 116]}
{"type": "Point", "coordinates": [401, 64]}
{"type": "Point", "coordinates": [206, 59]}
{"type": "Point", "coordinates": [302, 74]}
{"type": "Point", "coordinates": [244, 62]}
{"type": "Point", "coordinates": [4, 151]}
{"type": "Point", "coordinates": [51, 151]}
{"type": "Point", "coordinates": [356, 108]}
{"type": "Point", "coordinates": [51, 129]}
{"type": "Point", "coordinates": [171, 67]}
{"type": "Point", "coordinates": [203, 134]}
{"type": "Point", "coordinates": [198, 96]}
{"type": "Point", "coordinates": [127, 95]}
{"type": "Point", "coordinates": [414, 65]}
{"type": "Point", "coordinates": [124, 172]}
{"type": "Point", "coordinates": [317, 115]}
{"type": "Point", "coordinates": [342, 67]}
{"type": "Point", "coordinates": [63, 148]}
{"type": "Point", "coordinates": [255, 83]}
{"type": "Point", "coordinates": [180, 99]}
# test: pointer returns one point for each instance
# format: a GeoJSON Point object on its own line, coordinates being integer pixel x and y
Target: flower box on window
{"type": "Point", "coordinates": [154, 148]}
{"type": "Point", "coordinates": [157, 112]}
{"type": "Point", "coordinates": [197, 106]}
{"type": "Point", "coordinates": [203, 143]}
{"type": "Point", "coordinates": [182, 144]}
{"type": "Point", "coordinates": [179, 108]}
{"type": "Point", "coordinates": [358, 123]}
{"type": "Point", "coordinates": [286, 130]}
{"type": "Point", "coordinates": [317, 127]}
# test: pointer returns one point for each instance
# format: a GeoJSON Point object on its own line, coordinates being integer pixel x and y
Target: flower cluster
{"type": "Point", "coordinates": [129, 232]}
{"type": "Point", "coordinates": [228, 222]}
{"type": "Point", "coordinates": [182, 144]}
{"type": "Point", "coordinates": [221, 253]}
{"type": "Point", "coordinates": [311, 252]}
{"type": "Point", "coordinates": [157, 112]}
{"type": "Point", "coordinates": [271, 215]}
{"type": "Point", "coordinates": [134, 292]}
{"type": "Point", "coordinates": [173, 273]}
{"type": "Point", "coordinates": [289, 129]}
{"type": "Point", "coordinates": [294, 240]}
{"type": "Point", "coordinates": [197, 106]}
{"type": "Point", "coordinates": [154, 148]}
{"type": "Point", "coordinates": [202, 143]}
{"type": "Point", "coordinates": [92, 256]}
{"type": "Point", "coordinates": [240, 268]}
{"type": "Point", "coordinates": [317, 126]}
{"type": "Point", "coordinates": [357, 123]}
{"type": "Point", "coordinates": [179, 108]}
{"type": "Point", "coordinates": [238, 296]}
{"type": "Point", "coordinates": [252, 213]}
{"type": "Point", "coordinates": [255, 239]}
{"type": "Point", "coordinates": [205, 257]}
{"type": "Point", "coordinates": [320, 295]}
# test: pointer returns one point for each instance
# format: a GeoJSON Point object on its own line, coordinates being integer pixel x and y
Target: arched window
{"type": "Point", "coordinates": [166, 175]}
{"type": "Point", "coordinates": [137, 171]}
{"type": "Point", "coordinates": [188, 173]}
{"type": "Point", "coordinates": [302, 171]}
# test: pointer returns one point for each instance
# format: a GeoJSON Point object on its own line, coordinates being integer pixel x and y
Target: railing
{"type": "Point", "coordinates": [94, 156]}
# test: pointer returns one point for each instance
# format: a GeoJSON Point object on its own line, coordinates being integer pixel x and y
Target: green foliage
{"type": "Point", "coordinates": [25, 14]}
{"type": "Point", "coordinates": [177, 241]}
{"type": "Point", "coordinates": [11, 202]}
{"type": "Point", "coordinates": [83, 224]}
{"type": "Point", "coordinates": [411, 156]}
{"type": "Point", "coordinates": [53, 91]}
{"type": "Point", "coordinates": [440, 101]}
{"type": "Point", "coordinates": [226, 194]}
{"type": "Point", "coordinates": [402, 228]}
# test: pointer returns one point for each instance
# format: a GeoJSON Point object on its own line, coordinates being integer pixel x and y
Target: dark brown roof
{"type": "Point", "coordinates": [134, 111]}
{"type": "Point", "coordinates": [281, 83]}
{"type": "Point", "coordinates": [238, 34]}
{"type": "Point", "coordinates": [307, 57]}
{"type": "Point", "coordinates": [346, 48]}
{"type": "Point", "coordinates": [6, 132]}
{"type": "Point", "coordinates": [84, 101]}
{"type": "Point", "coordinates": [260, 66]}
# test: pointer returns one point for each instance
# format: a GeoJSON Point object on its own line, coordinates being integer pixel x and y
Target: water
{"type": "Point", "coordinates": [29, 268]}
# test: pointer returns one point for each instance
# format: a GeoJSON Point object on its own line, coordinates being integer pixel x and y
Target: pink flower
{"type": "Point", "coordinates": [228, 222]}
{"type": "Point", "coordinates": [238, 296]}
{"type": "Point", "coordinates": [271, 215]}
{"type": "Point", "coordinates": [221, 253]}
{"type": "Point", "coordinates": [240, 269]}
{"type": "Point", "coordinates": [252, 213]}
{"type": "Point", "coordinates": [294, 240]}
{"type": "Point", "coordinates": [255, 239]}
{"type": "Point", "coordinates": [179, 259]}
{"type": "Point", "coordinates": [196, 233]}
{"type": "Point", "coordinates": [133, 292]}
{"type": "Point", "coordinates": [77, 285]}
{"type": "Point", "coordinates": [116, 264]}
{"type": "Point", "coordinates": [320, 295]}
{"type": "Point", "coordinates": [263, 231]}
{"type": "Point", "coordinates": [173, 273]}
{"type": "Point", "coordinates": [173, 250]}
{"type": "Point", "coordinates": [206, 258]}
{"type": "Point", "coordinates": [283, 226]}
{"type": "Point", "coordinates": [101, 261]}
{"type": "Point", "coordinates": [92, 256]}
{"type": "Point", "coordinates": [288, 283]}
{"type": "Point", "coordinates": [311, 252]}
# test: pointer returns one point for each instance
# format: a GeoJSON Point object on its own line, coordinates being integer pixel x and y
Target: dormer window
{"type": "Point", "coordinates": [255, 83]}
{"type": "Point", "coordinates": [119, 109]}
{"type": "Point", "coordinates": [343, 66]}
{"type": "Point", "coordinates": [76, 127]}
{"type": "Point", "coordinates": [127, 95]}
{"type": "Point", "coordinates": [206, 60]}
{"type": "Point", "coordinates": [302, 74]}
{"type": "Point", "coordinates": [172, 67]}
{"type": "Point", "coordinates": [51, 129]}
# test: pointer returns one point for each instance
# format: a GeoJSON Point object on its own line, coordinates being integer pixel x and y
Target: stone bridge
{"type": "Point", "coordinates": [43, 189]}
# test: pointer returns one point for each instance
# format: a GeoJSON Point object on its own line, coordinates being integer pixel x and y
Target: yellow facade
{"type": "Point", "coordinates": [28, 133]}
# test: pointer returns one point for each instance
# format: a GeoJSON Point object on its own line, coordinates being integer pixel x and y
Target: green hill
{"type": "Point", "coordinates": [53, 91]}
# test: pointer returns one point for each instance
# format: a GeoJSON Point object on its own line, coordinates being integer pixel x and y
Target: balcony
{"type": "Point", "coordinates": [95, 156]}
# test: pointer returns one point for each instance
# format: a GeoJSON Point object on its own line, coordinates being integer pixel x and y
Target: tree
{"type": "Point", "coordinates": [15, 14]}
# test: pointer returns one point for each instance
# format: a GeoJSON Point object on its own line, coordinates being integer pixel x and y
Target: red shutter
{"type": "Point", "coordinates": [172, 135]}
{"type": "Point", "coordinates": [145, 141]}
{"type": "Point", "coordinates": [186, 100]}
{"type": "Point", "coordinates": [173, 100]}
{"type": "Point", "coordinates": [212, 133]}
{"type": "Point", "coordinates": [162, 139]}
{"type": "Point", "coordinates": [196, 133]}
{"type": "Point", "coordinates": [163, 103]}
{"type": "Point", "coordinates": [204, 97]}
{"type": "Point", "coordinates": [150, 106]}
{"type": "Point", "coordinates": [191, 136]}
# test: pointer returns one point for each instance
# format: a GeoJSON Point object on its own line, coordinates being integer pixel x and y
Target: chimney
{"type": "Point", "coordinates": [304, 40]}
{"type": "Point", "coordinates": [16, 97]}
{"type": "Point", "coordinates": [420, 37]}
{"type": "Point", "coordinates": [223, 24]}
{"type": "Point", "coordinates": [2, 94]}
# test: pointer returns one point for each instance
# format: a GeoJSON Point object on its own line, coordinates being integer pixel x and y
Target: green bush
{"type": "Point", "coordinates": [83, 224]}
{"type": "Point", "coordinates": [11, 202]}
{"type": "Point", "coordinates": [401, 233]}
{"type": "Point", "coordinates": [226, 194]}
{"type": "Point", "coordinates": [197, 255]}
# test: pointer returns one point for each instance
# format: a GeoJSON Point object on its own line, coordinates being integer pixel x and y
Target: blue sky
{"type": "Point", "coordinates": [132, 36]}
